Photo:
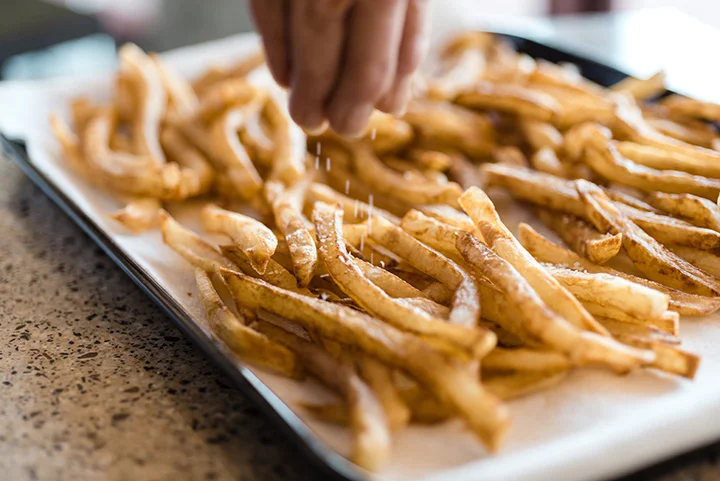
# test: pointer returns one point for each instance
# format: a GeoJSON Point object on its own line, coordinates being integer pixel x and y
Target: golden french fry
{"type": "Point", "coordinates": [288, 163]}
{"type": "Point", "coordinates": [690, 131]}
{"type": "Point", "coordinates": [512, 99]}
{"type": "Point", "coordinates": [252, 236]}
{"type": "Point", "coordinates": [379, 377]}
{"type": "Point", "coordinates": [433, 233]}
{"type": "Point", "coordinates": [192, 248]}
{"type": "Point", "coordinates": [702, 212]}
{"type": "Point", "coordinates": [610, 291]}
{"type": "Point", "coordinates": [482, 211]}
{"type": "Point", "coordinates": [223, 96]}
{"type": "Point", "coordinates": [707, 261]}
{"type": "Point", "coordinates": [72, 151]}
{"type": "Point", "coordinates": [443, 124]}
{"type": "Point", "coordinates": [516, 385]}
{"type": "Point", "coordinates": [541, 135]}
{"type": "Point", "coordinates": [464, 172]}
{"type": "Point", "coordinates": [688, 107]}
{"type": "Point", "coordinates": [465, 307]}
{"type": "Point", "coordinates": [525, 360]}
{"type": "Point", "coordinates": [354, 210]}
{"type": "Point", "coordinates": [393, 285]}
{"type": "Point", "coordinates": [557, 194]}
{"type": "Point", "coordinates": [150, 104]}
{"type": "Point", "coordinates": [582, 237]}
{"type": "Point", "coordinates": [643, 89]}
{"type": "Point", "coordinates": [182, 99]}
{"type": "Point", "coordinates": [546, 160]}
{"type": "Point", "coordinates": [373, 172]}
{"type": "Point", "coordinates": [275, 273]}
{"type": "Point", "coordinates": [234, 161]}
{"type": "Point", "coordinates": [509, 155]}
{"type": "Point", "coordinates": [247, 343]}
{"type": "Point", "coordinates": [371, 430]}
{"type": "Point", "coordinates": [287, 207]}
{"type": "Point", "coordinates": [430, 159]}
{"type": "Point", "coordinates": [663, 159]}
{"type": "Point", "coordinates": [238, 71]}
{"type": "Point", "coordinates": [648, 255]}
{"type": "Point", "coordinates": [387, 133]}
{"type": "Point", "coordinates": [546, 251]}
{"type": "Point", "coordinates": [604, 158]}
{"type": "Point", "coordinates": [179, 150]}
{"type": "Point", "coordinates": [350, 278]}
{"type": "Point", "coordinates": [139, 216]}
{"type": "Point", "coordinates": [451, 383]}
{"type": "Point", "coordinates": [538, 321]}
{"type": "Point", "coordinates": [624, 197]}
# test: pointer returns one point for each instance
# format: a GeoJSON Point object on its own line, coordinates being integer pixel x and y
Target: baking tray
{"type": "Point", "coordinates": [330, 464]}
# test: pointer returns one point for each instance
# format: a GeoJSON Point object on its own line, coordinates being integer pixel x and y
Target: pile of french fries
{"type": "Point", "coordinates": [382, 268]}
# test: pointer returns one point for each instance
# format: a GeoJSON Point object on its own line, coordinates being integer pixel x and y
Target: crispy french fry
{"type": "Point", "coordinates": [541, 135]}
{"type": "Point", "coordinates": [512, 99]}
{"type": "Point", "coordinates": [606, 290]}
{"type": "Point", "coordinates": [525, 360]}
{"type": "Point", "coordinates": [430, 159]}
{"type": "Point", "coordinates": [546, 160]}
{"type": "Point", "coordinates": [289, 152]}
{"type": "Point", "coordinates": [604, 158]}
{"type": "Point", "coordinates": [434, 233]}
{"type": "Point", "coordinates": [647, 254]}
{"type": "Point", "coordinates": [371, 430]}
{"type": "Point", "coordinates": [451, 383]}
{"type": "Point", "coordinates": [440, 123]}
{"type": "Point", "coordinates": [252, 236]}
{"type": "Point", "coordinates": [557, 194]}
{"type": "Point", "coordinates": [582, 237]}
{"type": "Point", "coordinates": [538, 321]}
{"type": "Point", "coordinates": [222, 97]}
{"type": "Point", "coordinates": [354, 210]}
{"type": "Point", "coordinates": [238, 71]}
{"type": "Point", "coordinates": [179, 150]}
{"type": "Point", "coordinates": [516, 385]}
{"type": "Point", "coordinates": [465, 308]}
{"type": "Point", "coordinates": [350, 278]}
{"type": "Point", "coordinates": [482, 211]}
{"type": "Point", "coordinates": [373, 172]}
{"type": "Point", "coordinates": [663, 159]}
{"type": "Point", "coordinates": [244, 341]}
{"type": "Point", "coordinates": [509, 155]}
{"type": "Point", "coordinates": [707, 261]}
{"type": "Point", "coordinates": [150, 104]}
{"type": "Point", "coordinates": [139, 216]}
{"type": "Point", "coordinates": [545, 251]}
{"type": "Point", "coordinates": [234, 161]}
{"type": "Point", "coordinates": [192, 248]}
{"type": "Point", "coordinates": [287, 207]}
{"type": "Point", "coordinates": [275, 273]}
{"type": "Point", "coordinates": [686, 130]}
{"type": "Point", "coordinates": [688, 107]}
{"type": "Point", "coordinates": [379, 377]}
{"type": "Point", "coordinates": [182, 99]}
{"type": "Point", "coordinates": [387, 133]}
{"type": "Point", "coordinates": [701, 212]}
{"type": "Point", "coordinates": [642, 89]}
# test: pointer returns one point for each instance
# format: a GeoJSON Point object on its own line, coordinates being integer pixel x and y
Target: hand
{"type": "Point", "coordinates": [341, 59]}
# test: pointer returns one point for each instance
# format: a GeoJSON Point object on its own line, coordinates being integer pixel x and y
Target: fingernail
{"type": "Point", "coordinates": [317, 130]}
{"type": "Point", "coordinates": [355, 122]}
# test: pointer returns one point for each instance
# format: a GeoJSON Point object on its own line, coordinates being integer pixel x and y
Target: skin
{"type": "Point", "coordinates": [341, 59]}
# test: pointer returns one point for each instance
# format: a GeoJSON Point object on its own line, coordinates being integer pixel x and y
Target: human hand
{"type": "Point", "coordinates": [341, 59]}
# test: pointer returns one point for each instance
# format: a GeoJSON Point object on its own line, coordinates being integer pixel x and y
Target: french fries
{"type": "Point", "coordinates": [452, 384]}
{"type": "Point", "coordinates": [252, 236]}
{"type": "Point", "coordinates": [647, 254]}
{"type": "Point", "coordinates": [582, 237]}
{"type": "Point", "coordinates": [482, 211]}
{"type": "Point", "coordinates": [247, 343]}
{"type": "Point", "coordinates": [380, 267]}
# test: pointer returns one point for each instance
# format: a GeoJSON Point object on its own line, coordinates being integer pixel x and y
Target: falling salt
{"type": "Point", "coordinates": [382, 264]}
{"type": "Point", "coordinates": [318, 148]}
{"type": "Point", "coordinates": [357, 207]}
{"type": "Point", "coordinates": [317, 163]}
{"type": "Point", "coordinates": [372, 258]}
{"type": "Point", "coordinates": [347, 187]}
{"type": "Point", "coordinates": [373, 133]}
{"type": "Point", "coordinates": [324, 296]}
{"type": "Point", "coordinates": [362, 242]}
{"type": "Point", "coordinates": [327, 164]}
{"type": "Point", "coordinates": [371, 199]}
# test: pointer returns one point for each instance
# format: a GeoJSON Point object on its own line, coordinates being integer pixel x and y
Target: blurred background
{"type": "Point", "coordinates": [46, 38]}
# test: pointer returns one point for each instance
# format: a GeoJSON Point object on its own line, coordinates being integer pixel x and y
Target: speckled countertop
{"type": "Point", "coordinates": [97, 384]}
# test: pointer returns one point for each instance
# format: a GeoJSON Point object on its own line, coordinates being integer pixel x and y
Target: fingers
{"type": "Point", "coordinates": [271, 20]}
{"type": "Point", "coordinates": [317, 37]}
{"type": "Point", "coordinates": [414, 47]}
{"type": "Point", "coordinates": [374, 36]}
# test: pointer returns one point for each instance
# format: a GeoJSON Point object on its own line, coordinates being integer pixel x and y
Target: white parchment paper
{"type": "Point", "coordinates": [595, 425]}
